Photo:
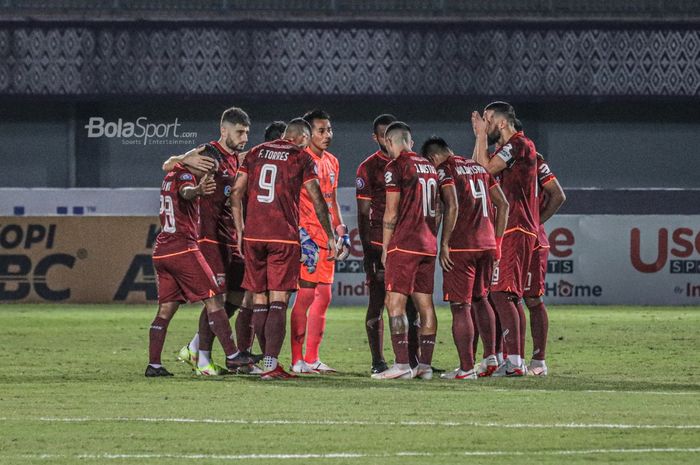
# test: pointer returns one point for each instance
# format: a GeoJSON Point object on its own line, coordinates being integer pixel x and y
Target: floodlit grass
{"type": "Point", "coordinates": [624, 387]}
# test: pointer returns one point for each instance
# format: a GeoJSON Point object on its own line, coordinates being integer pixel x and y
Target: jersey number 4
{"type": "Point", "coordinates": [168, 212]}
{"type": "Point", "coordinates": [480, 193]}
{"type": "Point", "coordinates": [268, 175]}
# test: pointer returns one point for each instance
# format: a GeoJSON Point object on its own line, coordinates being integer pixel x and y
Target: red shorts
{"type": "Point", "coordinates": [470, 276]}
{"type": "Point", "coordinates": [407, 273]}
{"type": "Point", "coordinates": [226, 264]}
{"type": "Point", "coordinates": [534, 281]}
{"type": "Point", "coordinates": [185, 277]}
{"type": "Point", "coordinates": [516, 252]}
{"type": "Point", "coordinates": [271, 266]}
{"type": "Point", "coordinates": [325, 269]}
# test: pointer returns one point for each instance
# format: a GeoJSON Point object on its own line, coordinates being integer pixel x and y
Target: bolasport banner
{"type": "Point", "coordinates": [595, 259]}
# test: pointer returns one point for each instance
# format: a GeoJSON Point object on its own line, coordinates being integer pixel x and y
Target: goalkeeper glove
{"type": "Point", "coordinates": [309, 250]}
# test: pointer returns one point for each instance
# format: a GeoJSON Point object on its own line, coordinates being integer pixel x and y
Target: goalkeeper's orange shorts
{"type": "Point", "coordinates": [325, 269]}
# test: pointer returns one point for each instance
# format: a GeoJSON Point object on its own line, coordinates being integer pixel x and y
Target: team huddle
{"type": "Point", "coordinates": [242, 231]}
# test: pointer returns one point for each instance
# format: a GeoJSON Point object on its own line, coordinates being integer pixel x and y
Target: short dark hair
{"type": "Point", "coordinates": [235, 115]}
{"type": "Point", "coordinates": [274, 130]}
{"type": "Point", "coordinates": [298, 125]}
{"type": "Point", "coordinates": [397, 125]}
{"type": "Point", "coordinates": [383, 120]}
{"type": "Point", "coordinates": [518, 125]}
{"type": "Point", "coordinates": [310, 116]}
{"type": "Point", "coordinates": [503, 108]}
{"type": "Point", "coordinates": [434, 145]}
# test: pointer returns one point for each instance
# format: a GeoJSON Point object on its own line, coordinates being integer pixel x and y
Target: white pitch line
{"type": "Point", "coordinates": [600, 391]}
{"type": "Point", "coordinates": [356, 455]}
{"type": "Point", "coordinates": [234, 421]}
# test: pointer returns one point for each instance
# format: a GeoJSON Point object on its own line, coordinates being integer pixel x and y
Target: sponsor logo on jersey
{"type": "Point", "coordinates": [332, 176]}
{"type": "Point", "coordinates": [186, 177]}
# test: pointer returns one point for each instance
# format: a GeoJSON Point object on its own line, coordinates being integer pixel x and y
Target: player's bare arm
{"type": "Point", "coordinates": [449, 220]}
{"type": "Point", "coordinates": [363, 207]}
{"type": "Point", "coordinates": [239, 188]}
{"type": "Point", "coordinates": [391, 217]}
{"type": "Point", "coordinates": [313, 187]}
{"type": "Point", "coordinates": [194, 159]}
{"type": "Point", "coordinates": [555, 199]}
{"type": "Point", "coordinates": [206, 186]}
{"type": "Point", "coordinates": [493, 165]}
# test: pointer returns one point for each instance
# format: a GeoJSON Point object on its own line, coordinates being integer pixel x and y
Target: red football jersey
{"type": "Point", "coordinates": [179, 218]}
{"type": "Point", "coordinates": [276, 172]}
{"type": "Point", "coordinates": [370, 186]}
{"type": "Point", "coordinates": [474, 229]}
{"type": "Point", "coordinates": [416, 179]}
{"type": "Point", "coordinates": [544, 175]}
{"type": "Point", "coordinates": [215, 212]}
{"type": "Point", "coordinates": [519, 183]}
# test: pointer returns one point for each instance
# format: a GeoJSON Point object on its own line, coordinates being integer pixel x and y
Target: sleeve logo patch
{"type": "Point", "coordinates": [388, 178]}
{"type": "Point", "coordinates": [360, 183]}
{"type": "Point", "coordinates": [186, 177]}
{"type": "Point", "coordinates": [441, 174]}
{"type": "Point", "coordinates": [227, 190]}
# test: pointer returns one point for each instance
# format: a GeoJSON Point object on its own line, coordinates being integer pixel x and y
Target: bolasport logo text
{"type": "Point", "coordinates": [140, 132]}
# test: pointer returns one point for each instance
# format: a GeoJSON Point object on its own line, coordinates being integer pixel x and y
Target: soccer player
{"type": "Point", "coordinates": [515, 163]}
{"type": "Point", "coordinates": [551, 197]}
{"type": "Point", "coordinates": [272, 176]}
{"type": "Point", "coordinates": [371, 196]}
{"type": "Point", "coordinates": [217, 240]}
{"type": "Point", "coordinates": [315, 289]}
{"type": "Point", "coordinates": [182, 272]}
{"type": "Point", "coordinates": [468, 247]}
{"type": "Point", "coordinates": [409, 246]}
{"type": "Point", "coordinates": [275, 130]}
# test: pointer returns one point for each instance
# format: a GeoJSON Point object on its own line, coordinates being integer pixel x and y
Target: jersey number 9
{"type": "Point", "coordinates": [268, 174]}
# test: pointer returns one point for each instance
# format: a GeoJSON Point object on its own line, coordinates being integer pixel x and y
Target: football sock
{"type": "Point", "coordinates": [194, 343]}
{"type": "Point", "coordinates": [399, 342]}
{"type": "Point", "coordinates": [275, 328]}
{"type": "Point", "coordinates": [374, 323]}
{"type": "Point", "coordinates": [427, 345]}
{"type": "Point", "coordinates": [244, 328]}
{"type": "Point", "coordinates": [516, 360]}
{"type": "Point", "coordinates": [510, 321]}
{"type": "Point", "coordinates": [156, 339]}
{"type": "Point", "coordinates": [305, 297]}
{"type": "Point", "coordinates": [475, 330]}
{"type": "Point", "coordinates": [486, 322]}
{"type": "Point", "coordinates": [413, 325]}
{"type": "Point", "coordinates": [258, 319]}
{"type": "Point", "coordinates": [206, 337]}
{"type": "Point", "coordinates": [230, 309]}
{"type": "Point", "coordinates": [269, 363]}
{"type": "Point", "coordinates": [220, 326]}
{"type": "Point", "coordinates": [155, 365]}
{"type": "Point", "coordinates": [462, 332]}
{"type": "Point", "coordinates": [522, 325]}
{"type": "Point", "coordinates": [539, 326]}
{"type": "Point", "coordinates": [317, 321]}
{"type": "Point", "coordinates": [204, 358]}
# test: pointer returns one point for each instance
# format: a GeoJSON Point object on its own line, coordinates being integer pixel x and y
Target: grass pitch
{"type": "Point", "coordinates": [624, 388]}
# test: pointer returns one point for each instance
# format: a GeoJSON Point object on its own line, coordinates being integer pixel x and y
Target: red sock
{"type": "Point", "coordinates": [305, 297]}
{"type": "Point", "coordinates": [317, 321]}
{"type": "Point", "coordinates": [244, 328]}
{"type": "Point", "coordinates": [486, 322]}
{"type": "Point", "coordinates": [510, 321]}
{"type": "Point", "coordinates": [523, 326]}
{"type": "Point", "coordinates": [156, 339]}
{"type": "Point", "coordinates": [220, 326]}
{"type": "Point", "coordinates": [258, 319]}
{"type": "Point", "coordinates": [275, 328]}
{"type": "Point", "coordinates": [475, 330]}
{"type": "Point", "coordinates": [400, 344]}
{"type": "Point", "coordinates": [206, 336]}
{"type": "Point", "coordinates": [413, 325]}
{"type": "Point", "coordinates": [539, 326]}
{"type": "Point", "coordinates": [427, 345]}
{"type": "Point", "coordinates": [463, 333]}
{"type": "Point", "coordinates": [374, 323]}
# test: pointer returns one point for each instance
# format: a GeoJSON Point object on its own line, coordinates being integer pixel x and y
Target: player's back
{"type": "Point", "coordinates": [216, 215]}
{"type": "Point", "coordinates": [179, 218]}
{"type": "Point", "coordinates": [474, 228]}
{"type": "Point", "coordinates": [415, 178]}
{"type": "Point", "coordinates": [519, 183]}
{"type": "Point", "coordinates": [276, 172]}
{"type": "Point", "coordinates": [370, 186]}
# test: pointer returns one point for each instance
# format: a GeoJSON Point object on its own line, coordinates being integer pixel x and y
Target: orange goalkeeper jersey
{"type": "Point", "coordinates": [328, 173]}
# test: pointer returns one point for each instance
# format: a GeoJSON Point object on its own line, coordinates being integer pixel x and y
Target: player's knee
{"type": "Point", "coordinates": [167, 310]}
{"type": "Point", "coordinates": [532, 302]}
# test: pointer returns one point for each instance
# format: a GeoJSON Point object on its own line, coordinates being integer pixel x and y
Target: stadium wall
{"type": "Point", "coordinates": [95, 245]}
